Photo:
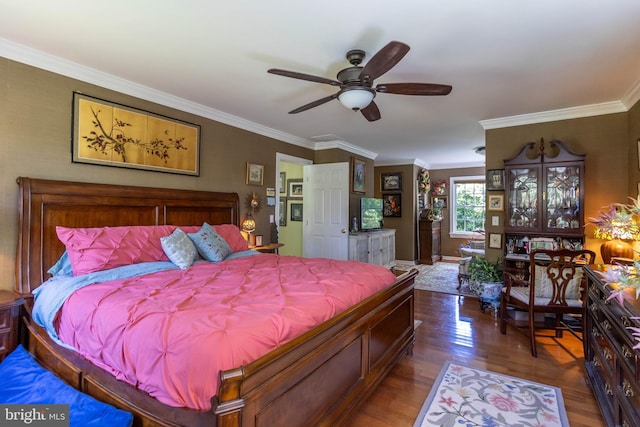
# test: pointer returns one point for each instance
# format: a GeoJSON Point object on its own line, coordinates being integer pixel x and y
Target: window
{"type": "Point", "coordinates": [467, 205]}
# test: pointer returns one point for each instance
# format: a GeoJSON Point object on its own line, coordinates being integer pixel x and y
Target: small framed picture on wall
{"type": "Point", "coordinates": [495, 240]}
{"type": "Point", "coordinates": [495, 180]}
{"type": "Point", "coordinates": [495, 202]}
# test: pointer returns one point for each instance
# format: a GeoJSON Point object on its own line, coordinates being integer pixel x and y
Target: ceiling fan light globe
{"type": "Point", "coordinates": [356, 98]}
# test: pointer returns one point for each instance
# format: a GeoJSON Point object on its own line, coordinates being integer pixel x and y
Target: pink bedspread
{"type": "Point", "coordinates": [170, 333]}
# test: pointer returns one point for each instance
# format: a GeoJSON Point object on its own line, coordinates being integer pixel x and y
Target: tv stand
{"type": "Point", "coordinates": [373, 247]}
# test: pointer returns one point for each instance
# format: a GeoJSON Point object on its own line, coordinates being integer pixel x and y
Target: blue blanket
{"type": "Point", "coordinates": [23, 381]}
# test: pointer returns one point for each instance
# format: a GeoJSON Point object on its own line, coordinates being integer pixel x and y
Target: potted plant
{"type": "Point", "coordinates": [485, 278]}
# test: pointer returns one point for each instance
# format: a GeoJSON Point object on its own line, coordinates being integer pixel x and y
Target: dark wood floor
{"type": "Point", "coordinates": [453, 328]}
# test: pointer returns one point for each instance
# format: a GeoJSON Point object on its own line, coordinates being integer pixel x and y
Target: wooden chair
{"type": "Point", "coordinates": [560, 287]}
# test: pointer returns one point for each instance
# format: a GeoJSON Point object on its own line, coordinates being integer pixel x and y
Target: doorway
{"type": "Point", "coordinates": [289, 171]}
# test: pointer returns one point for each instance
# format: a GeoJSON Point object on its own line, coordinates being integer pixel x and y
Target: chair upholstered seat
{"type": "Point", "coordinates": [521, 293]}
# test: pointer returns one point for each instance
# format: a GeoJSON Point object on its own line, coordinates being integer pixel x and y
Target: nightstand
{"type": "Point", "coordinates": [270, 248]}
{"type": "Point", "coordinates": [9, 311]}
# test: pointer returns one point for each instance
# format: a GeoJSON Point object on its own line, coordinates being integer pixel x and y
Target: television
{"type": "Point", "coordinates": [370, 213]}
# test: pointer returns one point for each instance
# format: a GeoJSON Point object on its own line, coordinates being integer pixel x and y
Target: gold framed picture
{"type": "Point", "coordinates": [255, 174]}
{"type": "Point", "coordinates": [495, 202]}
{"type": "Point", "coordinates": [110, 134]}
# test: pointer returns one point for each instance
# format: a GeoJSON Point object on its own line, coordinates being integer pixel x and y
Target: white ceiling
{"type": "Point", "coordinates": [535, 60]}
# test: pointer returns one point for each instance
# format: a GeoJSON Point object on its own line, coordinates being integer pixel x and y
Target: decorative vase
{"type": "Point", "coordinates": [615, 248]}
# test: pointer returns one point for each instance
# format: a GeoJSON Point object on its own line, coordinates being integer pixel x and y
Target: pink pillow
{"type": "Point", "coordinates": [231, 233]}
{"type": "Point", "coordinates": [97, 249]}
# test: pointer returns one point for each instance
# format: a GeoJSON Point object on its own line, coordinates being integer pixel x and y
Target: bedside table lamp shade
{"type": "Point", "coordinates": [249, 225]}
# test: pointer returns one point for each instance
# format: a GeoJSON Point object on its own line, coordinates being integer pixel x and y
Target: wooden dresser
{"type": "Point", "coordinates": [9, 311]}
{"type": "Point", "coordinates": [429, 239]}
{"type": "Point", "coordinates": [613, 366]}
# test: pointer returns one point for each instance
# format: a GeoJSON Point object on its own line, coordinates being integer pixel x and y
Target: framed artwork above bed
{"type": "Point", "coordinates": [110, 134]}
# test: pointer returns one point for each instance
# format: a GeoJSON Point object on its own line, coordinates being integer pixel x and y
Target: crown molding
{"type": "Point", "coordinates": [428, 166]}
{"type": "Point", "coordinates": [39, 59]}
{"type": "Point", "coordinates": [343, 145]}
{"type": "Point", "coordinates": [478, 164]}
{"type": "Point", "coordinates": [632, 96]}
{"type": "Point", "coordinates": [555, 115]}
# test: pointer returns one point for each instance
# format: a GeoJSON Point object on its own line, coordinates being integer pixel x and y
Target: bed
{"type": "Point", "coordinates": [317, 378]}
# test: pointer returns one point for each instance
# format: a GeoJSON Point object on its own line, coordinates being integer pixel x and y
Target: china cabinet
{"type": "Point", "coordinates": [544, 201]}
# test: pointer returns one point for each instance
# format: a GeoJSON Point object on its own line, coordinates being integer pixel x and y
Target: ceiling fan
{"type": "Point", "coordinates": [356, 82]}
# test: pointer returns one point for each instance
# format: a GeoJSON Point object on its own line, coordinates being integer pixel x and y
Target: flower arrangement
{"type": "Point", "coordinates": [620, 221]}
{"type": "Point", "coordinates": [625, 284]}
{"type": "Point", "coordinates": [439, 188]}
{"type": "Point", "coordinates": [424, 182]}
{"type": "Point", "coordinates": [617, 221]}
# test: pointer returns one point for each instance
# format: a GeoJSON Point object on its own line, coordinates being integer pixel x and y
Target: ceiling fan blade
{"type": "Point", "coordinates": [302, 76]}
{"type": "Point", "coordinates": [371, 112]}
{"type": "Point", "coordinates": [384, 60]}
{"type": "Point", "coordinates": [414, 88]}
{"type": "Point", "coordinates": [314, 104]}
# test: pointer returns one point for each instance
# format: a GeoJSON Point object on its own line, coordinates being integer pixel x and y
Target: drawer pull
{"type": "Point", "coordinates": [626, 352]}
{"type": "Point", "coordinates": [596, 363]}
{"type": "Point", "coordinates": [607, 354]}
{"type": "Point", "coordinates": [625, 321]}
{"type": "Point", "coordinates": [596, 333]}
{"type": "Point", "coordinates": [594, 308]}
{"type": "Point", "coordinates": [627, 389]}
{"type": "Point", "coordinates": [607, 325]}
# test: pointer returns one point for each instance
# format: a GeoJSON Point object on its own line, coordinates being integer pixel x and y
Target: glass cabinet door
{"type": "Point", "coordinates": [522, 206]}
{"type": "Point", "coordinates": [544, 192]}
{"type": "Point", "coordinates": [562, 193]}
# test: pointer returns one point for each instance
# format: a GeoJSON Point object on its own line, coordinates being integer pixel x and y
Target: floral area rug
{"type": "Point", "coordinates": [439, 277]}
{"type": "Point", "coordinates": [463, 396]}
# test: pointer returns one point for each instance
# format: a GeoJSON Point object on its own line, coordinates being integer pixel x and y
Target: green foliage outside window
{"type": "Point", "coordinates": [469, 206]}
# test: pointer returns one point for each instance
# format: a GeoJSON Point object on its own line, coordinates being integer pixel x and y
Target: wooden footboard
{"type": "Point", "coordinates": [320, 378]}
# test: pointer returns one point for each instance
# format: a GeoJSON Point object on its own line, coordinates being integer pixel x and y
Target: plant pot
{"type": "Point", "coordinates": [488, 292]}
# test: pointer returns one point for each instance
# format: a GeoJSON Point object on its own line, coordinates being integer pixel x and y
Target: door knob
{"type": "Point", "coordinates": [343, 231]}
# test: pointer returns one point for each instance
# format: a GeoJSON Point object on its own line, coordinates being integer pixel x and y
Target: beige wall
{"type": "Point", "coordinates": [35, 141]}
{"type": "Point", "coordinates": [606, 141]}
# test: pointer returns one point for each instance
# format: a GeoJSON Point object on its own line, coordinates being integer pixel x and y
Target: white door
{"type": "Point", "coordinates": [325, 210]}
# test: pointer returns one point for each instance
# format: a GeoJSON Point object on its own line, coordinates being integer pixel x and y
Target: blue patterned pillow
{"type": "Point", "coordinates": [179, 248]}
{"type": "Point", "coordinates": [211, 246]}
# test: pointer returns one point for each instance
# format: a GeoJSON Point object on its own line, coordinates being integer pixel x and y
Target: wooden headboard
{"type": "Point", "coordinates": [45, 204]}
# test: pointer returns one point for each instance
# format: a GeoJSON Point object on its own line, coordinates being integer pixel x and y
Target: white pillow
{"type": "Point", "coordinates": [544, 286]}
{"type": "Point", "coordinates": [179, 249]}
